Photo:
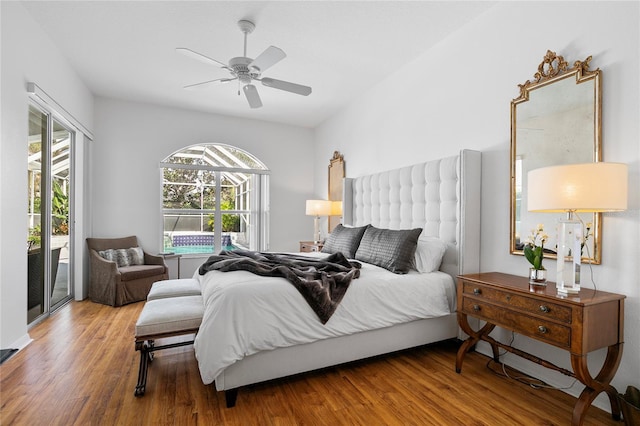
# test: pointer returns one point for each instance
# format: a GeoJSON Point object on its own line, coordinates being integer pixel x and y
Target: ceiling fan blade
{"type": "Point", "coordinates": [252, 95]}
{"type": "Point", "coordinates": [285, 85]}
{"type": "Point", "coordinates": [200, 57]}
{"type": "Point", "coordinates": [271, 56]}
{"type": "Point", "coordinates": [206, 84]}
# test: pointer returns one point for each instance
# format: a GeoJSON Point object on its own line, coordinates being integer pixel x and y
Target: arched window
{"type": "Point", "coordinates": [214, 196]}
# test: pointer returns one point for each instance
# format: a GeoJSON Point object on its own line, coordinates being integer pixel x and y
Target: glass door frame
{"type": "Point", "coordinates": [46, 205]}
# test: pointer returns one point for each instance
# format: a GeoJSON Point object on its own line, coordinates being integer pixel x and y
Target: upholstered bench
{"type": "Point", "coordinates": [160, 318]}
{"type": "Point", "coordinates": [174, 288]}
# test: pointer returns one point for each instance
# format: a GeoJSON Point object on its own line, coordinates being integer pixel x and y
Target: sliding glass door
{"type": "Point", "coordinates": [49, 213]}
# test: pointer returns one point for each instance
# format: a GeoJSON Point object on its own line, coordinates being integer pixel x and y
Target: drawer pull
{"type": "Point", "coordinates": [477, 291]}
{"type": "Point", "coordinates": [476, 308]}
{"type": "Point", "coordinates": [544, 308]}
{"type": "Point", "coordinates": [542, 329]}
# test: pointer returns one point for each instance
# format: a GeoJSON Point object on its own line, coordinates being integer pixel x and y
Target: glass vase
{"type": "Point", "coordinates": [537, 276]}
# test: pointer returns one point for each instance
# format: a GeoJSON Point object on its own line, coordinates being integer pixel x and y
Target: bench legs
{"type": "Point", "coordinates": [146, 356]}
{"type": "Point", "coordinates": [146, 348]}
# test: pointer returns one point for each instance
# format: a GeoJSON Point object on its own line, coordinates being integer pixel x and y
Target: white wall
{"type": "Point", "coordinates": [27, 55]}
{"type": "Point", "coordinates": [132, 139]}
{"type": "Point", "coordinates": [457, 95]}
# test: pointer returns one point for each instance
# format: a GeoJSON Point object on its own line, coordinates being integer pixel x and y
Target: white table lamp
{"type": "Point", "coordinates": [589, 187]}
{"type": "Point", "coordinates": [318, 208]}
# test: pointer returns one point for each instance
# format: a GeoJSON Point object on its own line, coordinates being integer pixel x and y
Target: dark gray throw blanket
{"type": "Point", "coordinates": [321, 281]}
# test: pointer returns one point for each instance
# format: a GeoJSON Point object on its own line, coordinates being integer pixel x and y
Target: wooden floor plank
{"type": "Point", "coordinates": [82, 369]}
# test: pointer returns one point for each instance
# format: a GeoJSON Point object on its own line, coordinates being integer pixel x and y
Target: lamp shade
{"type": "Point", "coordinates": [589, 187]}
{"type": "Point", "coordinates": [336, 208]}
{"type": "Point", "coordinates": [318, 208]}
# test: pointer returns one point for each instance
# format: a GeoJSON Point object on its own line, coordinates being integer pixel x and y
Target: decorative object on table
{"type": "Point", "coordinates": [317, 208]}
{"type": "Point", "coordinates": [588, 232]}
{"type": "Point", "coordinates": [534, 252]}
{"type": "Point", "coordinates": [573, 188]}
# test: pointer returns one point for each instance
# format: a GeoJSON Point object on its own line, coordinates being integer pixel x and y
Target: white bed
{"type": "Point", "coordinates": [442, 197]}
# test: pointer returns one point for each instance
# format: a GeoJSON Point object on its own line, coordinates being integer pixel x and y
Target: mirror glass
{"type": "Point", "coordinates": [555, 120]}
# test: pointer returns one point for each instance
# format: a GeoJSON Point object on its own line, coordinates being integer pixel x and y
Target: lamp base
{"type": "Point", "coordinates": [568, 256]}
{"type": "Point", "coordinates": [316, 229]}
{"type": "Point", "coordinates": [568, 290]}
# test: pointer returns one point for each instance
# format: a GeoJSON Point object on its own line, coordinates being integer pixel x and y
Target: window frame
{"type": "Point", "coordinates": [259, 215]}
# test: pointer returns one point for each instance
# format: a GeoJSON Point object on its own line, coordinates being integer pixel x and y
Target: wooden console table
{"type": "Point", "coordinates": [578, 323]}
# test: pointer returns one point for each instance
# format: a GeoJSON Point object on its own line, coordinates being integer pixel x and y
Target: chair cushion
{"type": "Point", "coordinates": [170, 315]}
{"type": "Point", "coordinates": [134, 272]}
{"type": "Point", "coordinates": [174, 288]}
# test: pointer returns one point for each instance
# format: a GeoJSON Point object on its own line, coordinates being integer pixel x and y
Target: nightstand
{"type": "Point", "coordinates": [310, 246]}
{"type": "Point", "coordinates": [172, 255]}
{"type": "Point", "coordinates": [579, 323]}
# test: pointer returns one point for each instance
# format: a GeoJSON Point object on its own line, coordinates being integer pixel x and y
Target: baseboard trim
{"type": "Point", "coordinates": [22, 342]}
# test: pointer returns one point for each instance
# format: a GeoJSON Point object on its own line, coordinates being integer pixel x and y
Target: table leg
{"type": "Point", "coordinates": [474, 337]}
{"type": "Point", "coordinates": [597, 385]}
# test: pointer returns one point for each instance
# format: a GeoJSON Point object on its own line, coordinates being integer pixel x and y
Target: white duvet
{"type": "Point", "coordinates": [245, 313]}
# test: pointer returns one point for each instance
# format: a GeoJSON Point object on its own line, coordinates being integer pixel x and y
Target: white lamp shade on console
{"type": "Point", "coordinates": [571, 188]}
{"type": "Point", "coordinates": [318, 208]}
{"type": "Point", "coordinates": [590, 187]}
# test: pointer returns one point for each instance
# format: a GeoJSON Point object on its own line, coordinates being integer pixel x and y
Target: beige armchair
{"type": "Point", "coordinates": [115, 285]}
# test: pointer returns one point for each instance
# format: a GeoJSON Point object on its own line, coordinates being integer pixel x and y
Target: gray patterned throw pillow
{"type": "Point", "coordinates": [345, 240]}
{"type": "Point", "coordinates": [390, 249]}
{"type": "Point", "coordinates": [124, 257]}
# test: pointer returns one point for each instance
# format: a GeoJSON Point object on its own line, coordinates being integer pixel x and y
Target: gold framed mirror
{"type": "Point", "coordinates": [555, 120]}
{"type": "Point", "coordinates": [336, 176]}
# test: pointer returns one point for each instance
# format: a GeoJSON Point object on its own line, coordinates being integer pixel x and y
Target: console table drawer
{"type": "Point", "coordinates": [530, 305]}
{"type": "Point", "coordinates": [549, 332]}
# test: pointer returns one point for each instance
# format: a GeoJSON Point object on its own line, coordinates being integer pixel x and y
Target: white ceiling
{"type": "Point", "coordinates": [126, 49]}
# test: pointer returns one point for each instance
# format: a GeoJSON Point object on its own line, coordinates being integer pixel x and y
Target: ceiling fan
{"type": "Point", "coordinates": [246, 70]}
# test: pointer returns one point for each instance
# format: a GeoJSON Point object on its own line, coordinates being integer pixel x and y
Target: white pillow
{"type": "Point", "coordinates": [429, 253]}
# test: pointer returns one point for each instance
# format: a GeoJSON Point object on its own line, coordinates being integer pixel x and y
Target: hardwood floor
{"type": "Point", "coordinates": [81, 369]}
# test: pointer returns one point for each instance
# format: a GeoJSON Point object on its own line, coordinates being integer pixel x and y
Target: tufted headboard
{"type": "Point", "coordinates": [441, 196]}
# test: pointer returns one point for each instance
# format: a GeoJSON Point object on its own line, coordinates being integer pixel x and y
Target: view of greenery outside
{"type": "Point", "coordinates": [34, 174]}
{"type": "Point", "coordinates": [189, 196]}
{"type": "Point", "coordinates": [59, 214]}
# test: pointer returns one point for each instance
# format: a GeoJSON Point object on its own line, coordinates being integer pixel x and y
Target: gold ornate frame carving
{"type": "Point", "coordinates": [554, 75]}
{"type": "Point", "coordinates": [336, 176]}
